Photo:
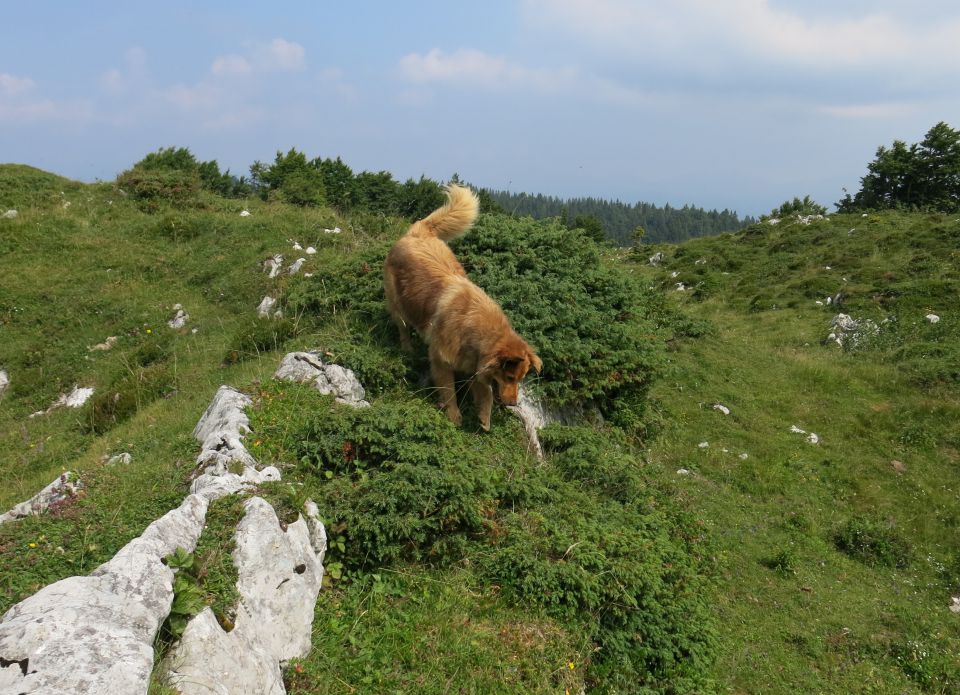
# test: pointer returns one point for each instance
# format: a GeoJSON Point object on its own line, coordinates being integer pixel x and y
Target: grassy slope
{"type": "Point", "coordinates": [798, 615]}
{"type": "Point", "coordinates": [74, 275]}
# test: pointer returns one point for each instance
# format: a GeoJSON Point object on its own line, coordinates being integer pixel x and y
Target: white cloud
{"type": "Point", "coordinates": [11, 85]}
{"type": "Point", "coordinates": [701, 32]}
{"type": "Point", "coordinates": [470, 67]}
{"type": "Point", "coordinates": [132, 74]}
{"type": "Point", "coordinates": [870, 111]}
{"type": "Point", "coordinates": [231, 65]}
{"type": "Point", "coordinates": [282, 55]}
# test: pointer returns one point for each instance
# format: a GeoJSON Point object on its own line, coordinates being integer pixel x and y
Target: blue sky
{"type": "Point", "coordinates": [737, 104]}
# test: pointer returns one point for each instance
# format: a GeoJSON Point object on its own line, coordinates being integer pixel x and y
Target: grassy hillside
{"type": "Point", "coordinates": [632, 560]}
{"type": "Point", "coordinates": [840, 559]}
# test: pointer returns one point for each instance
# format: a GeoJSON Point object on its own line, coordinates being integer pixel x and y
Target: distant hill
{"type": "Point", "coordinates": [619, 220]}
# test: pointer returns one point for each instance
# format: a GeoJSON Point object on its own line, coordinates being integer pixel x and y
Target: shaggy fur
{"type": "Point", "coordinates": [466, 331]}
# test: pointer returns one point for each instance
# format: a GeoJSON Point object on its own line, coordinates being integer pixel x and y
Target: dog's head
{"type": "Point", "coordinates": [507, 365]}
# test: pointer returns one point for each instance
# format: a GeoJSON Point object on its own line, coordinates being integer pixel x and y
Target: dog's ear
{"type": "Point", "coordinates": [535, 361]}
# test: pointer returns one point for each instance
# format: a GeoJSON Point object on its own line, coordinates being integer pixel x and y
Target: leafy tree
{"type": "Point", "coordinates": [338, 183]}
{"type": "Point", "coordinates": [923, 176]}
{"type": "Point", "coordinates": [179, 163]}
{"type": "Point", "coordinates": [417, 199]}
{"type": "Point", "coordinates": [789, 208]}
{"type": "Point", "coordinates": [378, 192]}
{"type": "Point", "coordinates": [292, 177]}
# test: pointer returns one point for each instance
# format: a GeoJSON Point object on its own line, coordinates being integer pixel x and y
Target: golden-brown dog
{"type": "Point", "coordinates": [465, 330]}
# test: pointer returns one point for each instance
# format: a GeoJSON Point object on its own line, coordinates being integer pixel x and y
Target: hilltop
{"type": "Point", "coordinates": [665, 544]}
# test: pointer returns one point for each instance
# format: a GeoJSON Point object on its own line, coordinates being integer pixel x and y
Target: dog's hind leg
{"type": "Point", "coordinates": [483, 397]}
{"type": "Point", "coordinates": [390, 291]}
{"type": "Point", "coordinates": [443, 379]}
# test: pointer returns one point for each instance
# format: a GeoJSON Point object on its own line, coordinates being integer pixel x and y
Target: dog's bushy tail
{"type": "Point", "coordinates": [451, 220]}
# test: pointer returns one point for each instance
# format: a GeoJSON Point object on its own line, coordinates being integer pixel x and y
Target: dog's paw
{"type": "Point", "coordinates": [455, 417]}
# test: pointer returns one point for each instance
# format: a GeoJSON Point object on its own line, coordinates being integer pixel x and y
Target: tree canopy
{"type": "Point", "coordinates": [921, 176]}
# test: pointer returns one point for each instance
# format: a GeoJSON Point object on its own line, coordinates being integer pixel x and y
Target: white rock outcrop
{"type": "Point", "coordinates": [656, 259]}
{"type": "Point", "coordinates": [849, 332]}
{"type": "Point", "coordinates": [280, 574]}
{"type": "Point", "coordinates": [266, 306]}
{"type": "Point", "coordinates": [75, 399]}
{"type": "Point", "coordinates": [63, 488]}
{"type": "Point", "coordinates": [105, 345]}
{"type": "Point", "coordinates": [535, 414]}
{"type": "Point", "coordinates": [95, 634]}
{"type": "Point", "coordinates": [272, 266]}
{"type": "Point", "coordinates": [180, 317]}
{"type": "Point", "coordinates": [227, 465]}
{"type": "Point", "coordinates": [297, 264]}
{"type": "Point", "coordinates": [329, 379]}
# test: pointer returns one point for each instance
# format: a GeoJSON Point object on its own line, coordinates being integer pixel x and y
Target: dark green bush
{"type": "Point", "coordinates": [137, 389]}
{"type": "Point", "coordinates": [592, 324]}
{"type": "Point", "coordinates": [155, 186]}
{"type": "Point", "coordinates": [257, 336]}
{"type": "Point", "coordinates": [583, 537]}
{"type": "Point", "coordinates": [400, 480]}
{"type": "Point", "coordinates": [872, 542]}
{"type": "Point", "coordinates": [599, 332]}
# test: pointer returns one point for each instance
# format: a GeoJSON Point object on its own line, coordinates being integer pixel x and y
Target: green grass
{"type": "Point", "coordinates": [837, 570]}
{"type": "Point", "coordinates": [414, 630]}
{"type": "Point", "coordinates": [459, 563]}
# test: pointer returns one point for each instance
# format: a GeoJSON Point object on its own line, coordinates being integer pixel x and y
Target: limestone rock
{"type": "Point", "coordinates": [4, 381]}
{"type": "Point", "coordinates": [63, 488]}
{"type": "Point", "coordinates": [272, 265]}
{"type": "Point", "coordinates": [297, 264]}
{"type": "Point", "coordinates": [848, 332]}
{"type": "Point", "coordinates": [306, 367]}
{"type": "Point", "coordinates": [75, 399]}
{"type": "Point", "coordinates": [933, 318]}
{"type": "Point", "coordinates": [106, 344]}
{"type": "Point", "coordinates": [180, 317]}
{"type": "Point", "coordinates": [280, 575]}
{"type": "Point", "coordinates": [266, 306]}
{"type": "Point", "coordinates": [9, 215]}
{"type": "Point", "coordinates": [220, 431]}
{"type": "Point", "coordinates": [535, 414]}
{"type": "Point", "coordinates": [95, 634]}
{"type": "Point", "coordinates": [120, 459]}
{"type": "Point", "coordinates": [656, 259]}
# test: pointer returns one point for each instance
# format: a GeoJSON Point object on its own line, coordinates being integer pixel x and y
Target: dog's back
{"type": "Point", "coordinates": [466, 331]}
{"type": "Point", "coordinates": [420, 266]}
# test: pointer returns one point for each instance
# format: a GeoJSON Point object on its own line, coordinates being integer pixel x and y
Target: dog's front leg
{"type": "Point", "coordinates": [443, 379]}
{"type": "Point", "coordinates": [483, 396]}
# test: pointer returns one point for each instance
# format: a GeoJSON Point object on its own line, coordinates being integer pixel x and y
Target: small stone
{"type": "Point", "coordinates": [656, 259]}
{"type": "Point", "coordinates": [10, 215]}
{"type": "Point", "coordinates": [266, 306]}
{"type": "Point", "coordinates": [295, 268]}
{"type": "Point", "coordinates": [898, 466]}
{"type": "Point", "coordinates": [271, 266]}
{"type": "Point", "coordinates": [703, 445]}
{"type": "Point", "coordinates": [122, 459]}
{"type": "Point", "coordinates": [244, 213]}
{"type": "Point", "coordinates": [744, 456]}
{"type": "Point", "coordinates": [311, 250]}
{"type": "Point", "coordinates": [955, 604]}
{"type": "Point", "coordinates": [106, 344]}
{"type": "Point", "coordinates": [933, 318]}
{"type": "Point", "coordinates": [683, 471]}
{"type": "Point", "coordinates": [722, 408]}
